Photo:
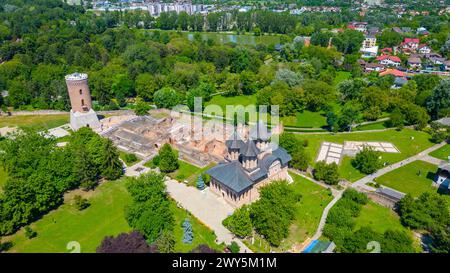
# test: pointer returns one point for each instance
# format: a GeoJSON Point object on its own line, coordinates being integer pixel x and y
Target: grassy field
{"type": "Point", "coordinates": [442, 153]}
{"type": "Point", "coordinates": [309, 210]}
{"type": "Point", "coordinates": [34, 121]}
{"type": "Point", "coordinates": [306, 119]}
{"type": "Point", "coordinates": [408, 141]}
{"type": "Point", "coordinates": [372, 126]}
{"type": "Point", "coordinates": [379, 218]}
{"type": "Point", "coordinates": [413, 178]}
{"type": "Point", "coordinates": [188, 172]}
{"type": "Point", "coordinates": [105, 217]}
{"type": "Point", "coordinates": [223, 101]}
{"type": "Point", "coordinates": [307, 215]}
{"type": "Point", "coordinates": [347, 171]}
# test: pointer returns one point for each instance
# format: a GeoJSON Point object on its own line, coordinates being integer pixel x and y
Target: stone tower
{"type": "Point", "coordinates": [81, 114]}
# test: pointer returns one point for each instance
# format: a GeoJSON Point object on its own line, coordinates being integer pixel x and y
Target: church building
{"type": "Point", "coordinates": [248, 166]}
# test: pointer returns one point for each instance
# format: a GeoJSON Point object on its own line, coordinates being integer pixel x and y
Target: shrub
{"type": "Point", "coordinates": [30, 233]}
{"type": "Point", "coordinates": [367, 161]}
{"type": "Point", "coordinates": [327, 173]}
{"type": "Point", "coordinates": [130, 158]}
{"type": "Point", "coordinates": [234, 247]}
{"type": "Point", "coordinates": [133, 242]}
{"type": "Point", "coordinates": [81, 203]}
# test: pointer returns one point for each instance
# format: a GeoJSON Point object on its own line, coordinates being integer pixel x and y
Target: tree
{"type": "Point", "coordinates": [395, 241]}
{"type": "Point", "coordinates": [133, 242]}
{"type": "Point", "coordinates": [367, 160]}
{"type": "Point", "coordinates": [146, 86]}
{"type": "Point", "coordinates": [200, 183]}
{"type": "Point", "coordinates": [149, 211]}
{"type": "Point", "coordinates": [239, 222]}
{"type": "Point", "coordinates": [300, 159]}
{"type": "Point", "coordinates": [165, 243]}
{"type": "Point", "coordinates": [317, 94]}
{"type": "Point", "coordinates": [168, 159]}
{"type": "Point", "coordinates": [289, 77]}
{"type": "Point", "coordinates": [273, 213]}
{"type": "Point", "coordinates": [188, 235]}
{"type": "Point", "coordinates": [327, 172]}
{"type": "Point", "coordinates": [166, 98]}
{"type": "Point", "coordinates": [141, 108]}
{"type": "Point", "coordinates": [440, 98]}
{"type": "Point", "coordinates": [429, 211]}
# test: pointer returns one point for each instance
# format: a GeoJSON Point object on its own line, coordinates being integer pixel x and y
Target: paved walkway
{"type": "Point", "coordinates": [420, 156]}
{"type": "Point", "coordinates": [207, 207]}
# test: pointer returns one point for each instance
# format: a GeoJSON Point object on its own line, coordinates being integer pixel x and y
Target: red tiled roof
{"type": "Point", "coordinates": [392, 58]}
{"type": "Point", "coordinates": [395, 72]}
{"type": "Point", "coordinates": [411, 40]}
{"type": "Point", "coordinates": [387, 49]}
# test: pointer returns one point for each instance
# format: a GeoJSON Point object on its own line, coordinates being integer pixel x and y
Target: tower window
{"type": "Point", "coordinates": [82, 102]}
{"type": "Point", "coordinates": [81, 91]}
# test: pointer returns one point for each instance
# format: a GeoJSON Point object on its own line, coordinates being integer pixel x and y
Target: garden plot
{"type": "Point", "coordinates": [333, 152]}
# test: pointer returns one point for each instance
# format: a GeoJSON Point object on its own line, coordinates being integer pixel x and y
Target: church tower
{"type": "Point", "coordinates": [81, 114]}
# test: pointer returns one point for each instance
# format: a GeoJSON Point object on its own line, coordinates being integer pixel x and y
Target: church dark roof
{"type": "Point", "coordinates": [235, 142]}
{"type": "Point", "coordinates": [251, 149]}
{"type": "Point", "coordinates": [233, 175]}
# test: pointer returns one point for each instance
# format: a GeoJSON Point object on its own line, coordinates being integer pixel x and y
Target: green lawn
{"type": "Point", "coordinates": [188, 172]}
{"type": "Point", "coordinates": [413, 178]}
{"type": "Point", "coordinates": [306, 119]}
{"type": "Point", "coordinates": [372, 126]}
{"type": "Point", "coordinates": [309, 210]}
{"type": "Point", "coordinates": [379, 218]}
{"type": "Point", "coordinates": [307, 215]}
{"type": "Point", "coordinates": [442, 153]}
{"type": "Point", "coordinates": [242, 39]}
{"type": "Point", "coordinates": [35, 121]}
{"type": "Point", "coordinates": [408, 141]}
{"type": "Point", "coordinates": [347, 171]}
{"type": "Point", "coordinates": [105, 217]}
{"type": "Point", "coordinates": [223, 101]}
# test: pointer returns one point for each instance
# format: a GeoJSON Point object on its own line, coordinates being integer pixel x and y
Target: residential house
{"type": "Point", "coordinates": [447, 65]}
{"type": "Point", "coordinates": [424, 49]}
{"type": "Point", "coordinates": [369, 41]}
{"type": "Point", "coordinates": [389, 60]}
{"type": "Point", "coordinates": [409, 45]}
{"type": "Point", "coordinates": [422, 31]}
{"type": "Point", "coordinates": [386, 50]}
{"type": "Point", "coordinates": [369, 52]}
{"type": "Point", "coordinates": [394, 72]}
{"type": "Point", "coordinates": [369, 67]}
{"type": "Point", "coordinates": [248, 166]}
{"type": "Point", "coordinates": [359, 26]}
{"type": "Point", "coordinates": [414, 62]}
